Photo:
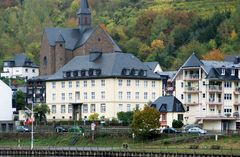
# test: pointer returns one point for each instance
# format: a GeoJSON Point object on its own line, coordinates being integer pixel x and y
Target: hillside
{"type": "Point", "coordinates": [167, 31]}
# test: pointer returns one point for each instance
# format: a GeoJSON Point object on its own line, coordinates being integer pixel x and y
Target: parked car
{"type": "Point", "coordinates": [170, 131]}
{"type": "Point", "coordinates": [197, 130]}
{"type": "Point", "coordinates": [189, 126]}
{"type": "Point", "coordinates": [76, 129]}
{"type": "Point", "coordinates": [23, 128]}
{"type": "Point", "coordinates": [60, 129]}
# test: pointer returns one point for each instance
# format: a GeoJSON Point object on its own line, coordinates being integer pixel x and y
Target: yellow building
{"type": "Point", "coordinates": [101, 83]}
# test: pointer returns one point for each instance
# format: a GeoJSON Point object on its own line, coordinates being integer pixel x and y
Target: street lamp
{"type": "Point", "coordinates": [32, 114]}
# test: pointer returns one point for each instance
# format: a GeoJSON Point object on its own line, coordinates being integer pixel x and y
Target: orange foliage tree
{"type": "Point", "coordinates": [214, 54]}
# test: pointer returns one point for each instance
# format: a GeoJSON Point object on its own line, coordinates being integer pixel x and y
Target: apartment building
{"type": "Point", "coordinates": [103, 83]}
{"type": "Point", "coordinates": [211, 92]}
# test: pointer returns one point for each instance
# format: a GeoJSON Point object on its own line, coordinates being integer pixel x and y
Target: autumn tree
{"type": "Point", "coordinates": [145, 122]}
{"type": "Point", "coordinates": [215, 54]}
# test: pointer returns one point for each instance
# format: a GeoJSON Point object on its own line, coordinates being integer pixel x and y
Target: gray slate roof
{"type": "Point", "coordinates": [72, 37]}
{"type": "Point", "coordinates": [192, 61]}
{"type": "Point", "coordinates": [111, 65]}
{"type": "Point", "coordinates": [84, 9]}
{"type": "Point", "coordinates": [151, 65]}
{"type": "Point", "coordinates": [168, 104]}
{"type": "Point", "coordinates": [170, 74]}
{"type": "Point", "coordinates": [20, 60]}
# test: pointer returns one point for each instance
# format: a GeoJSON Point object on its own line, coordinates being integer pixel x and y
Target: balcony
{"type": "Point", "coordinates": [237, 91]}
{"type": "Point", "coordinates": [215, 101]}
{"type": "Point", "coordinates": [214, 88]}
{"type": "Point", "coordinates": [192, 77]}
{"type": "Point", "coordinates": [191, 89]}
{"type": "Point", "coordinates": [191, 103]}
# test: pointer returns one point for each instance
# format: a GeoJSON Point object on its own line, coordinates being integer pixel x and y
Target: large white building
{"type": "Point", "coordinates": [211, 92]}
{"type": "Point", "coordinates": [6, 110]}
{"type": "Point", "coordinates": [101, 83]}
{"type": "Point", "coordinates": [20, 66]}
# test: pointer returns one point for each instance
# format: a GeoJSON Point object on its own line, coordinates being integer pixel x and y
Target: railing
{"type": "Point", "coordinates": [215, 88]}
{"type": "Point", "coordinates": [192, 77]}
{"type": "Point", "coordinates": [191, 89]}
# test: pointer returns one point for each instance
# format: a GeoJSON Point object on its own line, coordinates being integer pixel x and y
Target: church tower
{"type": "Point", "coordinates": [85, 16]}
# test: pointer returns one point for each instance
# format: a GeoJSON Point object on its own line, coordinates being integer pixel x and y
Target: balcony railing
{"type": "Point", "coordinates": [191, 89]}
{"type": "Point", "coordinates": [237, 90]}
{"type": "Point", "coordinates": [213, 88]}
{"type": "Point", "coordinates": [192, 77]}
{"type": "Point", "coordinates": [215, 101]}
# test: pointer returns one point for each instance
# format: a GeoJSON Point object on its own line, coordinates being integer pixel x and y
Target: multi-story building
{"type": "Point", "coordinates": [20, 66]}
{"type": "Point", "coordinates": [101, 83]}
{"type": "Point", "coordinates": [211, 92]}
{"type": "Point", "coordinates": [6, 109]}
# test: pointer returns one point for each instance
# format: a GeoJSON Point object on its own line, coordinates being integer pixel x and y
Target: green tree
{"type": "Point", "coordinates": [40, 111]}
{"type": "Point", "coordinates": [145, 122]}
{"type": "Point", "coordinates": [93, 117]}
{"type": "Point", "coordinates": [20, 100]}
{"type": "Point", "coordinates": [125, 117]}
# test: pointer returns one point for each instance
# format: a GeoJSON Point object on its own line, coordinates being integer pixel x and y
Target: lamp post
{"type": "Point", "coordinates": [31, 111]}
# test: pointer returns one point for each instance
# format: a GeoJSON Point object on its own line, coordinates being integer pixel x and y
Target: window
{"type": "Point", "coordinates": [137, 83]}
{"type": "Point", "coordinates": [85, 95]}
{"type": "Point", "coordinates": [93, 95]}
{"type": "Point", "coordinates": [70, 96]}
{"type": "Point", "coordinates": [63, 84]}
{"type": "Point", "coordinates": [204, 95]}
{"type": "Point", "coordinates": [63, 110]}
{"type": "Point", "coordinates": [119, 82]}
{"type": "Point", "coordinates": [69, 108]}
{"type": "Point", "coordinates": [228, 84]}
{"type": "Point", "coordinates": [45, 61]}
{"type": "Point", "coordinates": [53, 84]}
{"type": "Point", "coordinates": [227, 110]}
{"type": "Point", "coordinates": [77, 96]}
{"type": "Point", "coordinates": [153, 96]}
{"type": "Point", "coordinates": [128, 107]}
{"type": "Point", "coordinates": [70, 84]}
{"type": "Point", "coordinates": [182, 84]}
{"type": "Point", "coordinates": [128, 83]}
{"type": "Point", "coordinates": [54, 97]}
{"type": "Point", "coordinates": [145, 95]}
{"type": "Point", "coordinates": [85, 20]}
{"type": "Point", "coordinates": [128, 95]}
{"type": "Point", "coordinates": [120, 106]}
{"type": "Point", "coordinates": [33, 70]}
{"type": "Point", "coordinates": [189, 97]}
{"type": "Point", "coordinates": [102, 94]}
{"type": "Point", "coordinates": [85, 108]}
{"type": "Point", "coordinates": [85, 83]}
{"type": "Point", "coordinates": [77, 84]}
{"type": "Point", "coordinates": [137, 95]}
{"type": "Point", "coordinates": [26, 70]}
{"type": "Point", "coordinates": [212, 109]}
{"type": "Point", "coordinates": [233, 72]}
{"type": "Point", "coordinates": [103, 108]}
{"type": "Point", "coordinates": [103, 83]}
{"type": "Point", "coordinates": [227, 96]}
{"type": "Point", "coordinates": [63, 96]}
{"type": "Point", "coordinates": [223, 71]}
{"type": "Point", "coordinates": [164, 118]}
{"type": "Point", "coordinates": [92, 83]}
{"type": "Point", "coordinates": [153, 83]}
{"type": "Point", "coordinates": [120, 95]}
{"type": "Point", "coordinates": [204, 83]}
{"type": "Point", "coordinates": [180, 117]}
{"type": "Point", "coordinates": [145, 83]}
{"type": "Point", "coordinates": [93, 108]}
{"type": "Point", "coordinates": [182, 96]}
{"type": "Point", "coordinates": [54, 109]}
{"type": "Point", "coordinates": [137, 107]}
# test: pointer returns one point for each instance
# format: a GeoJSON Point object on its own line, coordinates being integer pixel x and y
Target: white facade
{"type": "Point", "coordinates": [214, 103]}
{"type": "Point", "coordinates": [6, 110]}
{"type": "Point", "coordinates": [23, 72]}
{"type": "Point", "coordinates": [106, 97]}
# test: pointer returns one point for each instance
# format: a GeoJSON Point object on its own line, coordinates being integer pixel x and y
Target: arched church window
{"type": "Point", "coordinates": [45, 61]}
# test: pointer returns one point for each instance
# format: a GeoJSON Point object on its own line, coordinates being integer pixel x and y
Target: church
{"type": "Point", "coordinates": [60, 45]}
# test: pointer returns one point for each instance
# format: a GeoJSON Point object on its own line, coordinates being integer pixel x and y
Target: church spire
{"type": "Point", "coordinates": [84, 14]}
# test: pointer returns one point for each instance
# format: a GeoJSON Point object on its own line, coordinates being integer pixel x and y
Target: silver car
{"type": "Point", "coordinates": [197, 130]}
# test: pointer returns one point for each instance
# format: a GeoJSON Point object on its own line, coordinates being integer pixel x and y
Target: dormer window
{"type": "Point", "coordinates": [128, 72]}
{"type": "Point", "coordinates": [233, 71]}
{"type": "Point", "coordinates": [223, 71]}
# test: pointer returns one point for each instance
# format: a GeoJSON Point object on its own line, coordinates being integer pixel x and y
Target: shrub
{"type": "Point", "coordinates": [215, 147]}
{"type": "Point", "coordinates": [177, 123]}
{"type": "Point", "coordinates": [193, 147]}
